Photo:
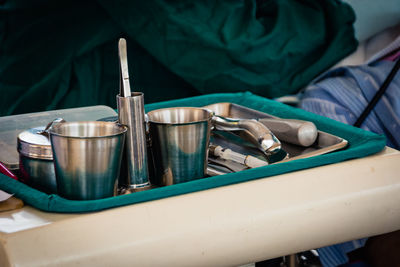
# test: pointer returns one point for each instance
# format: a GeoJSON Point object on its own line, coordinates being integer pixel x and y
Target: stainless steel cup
{"type": "Point", "coordinates": [87, 158]}
{"type": "Point", "coordinates": [131, 114]}
{"type": "Point", "coordinates": [179, 142]}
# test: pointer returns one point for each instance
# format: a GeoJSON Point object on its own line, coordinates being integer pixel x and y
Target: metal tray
{"type": "Point", "coordinates": [325, 142]}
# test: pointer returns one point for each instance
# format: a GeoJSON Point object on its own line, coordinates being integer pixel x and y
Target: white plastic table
{"type": "Point", "coordinates": [230, 225]}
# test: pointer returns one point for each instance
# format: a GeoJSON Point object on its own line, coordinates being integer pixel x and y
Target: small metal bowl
{"type": "Point", "coordinates": [36, 160]}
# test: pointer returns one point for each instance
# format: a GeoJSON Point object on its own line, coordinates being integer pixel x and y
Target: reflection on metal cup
{"type": "Point", "coordinates": [87, 158]}
{"type": "Point", "coordinates": [179, 139]}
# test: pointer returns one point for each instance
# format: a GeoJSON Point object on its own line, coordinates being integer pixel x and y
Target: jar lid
{"type": "Point", "coordinates": [34, 145]}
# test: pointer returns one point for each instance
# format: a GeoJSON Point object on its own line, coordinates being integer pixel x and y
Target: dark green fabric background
{"type": "Point", "coordinates": [59, 54]}
{"type": "Point", "coordinates": [361, 143]}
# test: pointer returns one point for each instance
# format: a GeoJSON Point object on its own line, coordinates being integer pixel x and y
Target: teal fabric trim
{"type": "Point", "coordinates": [361, 144]}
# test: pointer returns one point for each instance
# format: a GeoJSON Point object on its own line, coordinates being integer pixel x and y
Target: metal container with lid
{"type": "Point", "coordinates": [36, 160]}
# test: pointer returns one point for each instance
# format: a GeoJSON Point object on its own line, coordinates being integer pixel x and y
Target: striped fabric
{"type": "Point", "coordinates": [343, 93]}
{"type": "Point", "coordinates": [335, 255]}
